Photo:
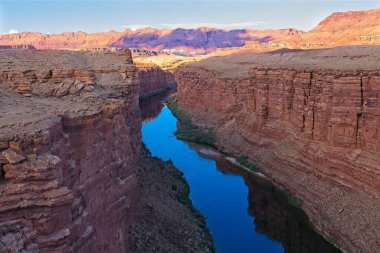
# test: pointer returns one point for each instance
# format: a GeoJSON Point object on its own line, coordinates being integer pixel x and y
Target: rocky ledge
{"type": "Point", "coordinates": [310, 120]}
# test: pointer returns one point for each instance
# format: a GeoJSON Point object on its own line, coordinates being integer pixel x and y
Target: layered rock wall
{"type": "Point", "coordinates": [154, 79]}
{"type": "Point", "coordinates": [68, 163]}
{"type": "Point", "coordinates": [314, 132]}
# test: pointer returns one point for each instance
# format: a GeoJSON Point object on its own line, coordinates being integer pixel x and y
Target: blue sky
{"type": "Point", "coordinates": [55, 16]}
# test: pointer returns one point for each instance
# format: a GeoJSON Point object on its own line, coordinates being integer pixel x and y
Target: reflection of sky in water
{"type": "Point", "coordinates": [222, 198]}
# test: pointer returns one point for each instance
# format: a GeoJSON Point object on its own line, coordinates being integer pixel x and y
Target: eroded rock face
{"type": "Point", "coordinates": [59, 77]}
{"type": "Point", "coordinates": [154, 79]}
{"type": "Point", "coordinates": [313, 131]}
{"type": "Point", "coordinates": [68, 181]}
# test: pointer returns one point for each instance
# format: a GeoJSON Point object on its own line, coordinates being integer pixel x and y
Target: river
{"type": "Point", "coordinates": [245, 212]}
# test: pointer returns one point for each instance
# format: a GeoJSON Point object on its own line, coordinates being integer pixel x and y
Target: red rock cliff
{"type": "Point", "coordinates": [310, 120]}
{"type": "Point", "coordinates": [68, 165]}
{"type": "Point", "coordinates": [153, 79]}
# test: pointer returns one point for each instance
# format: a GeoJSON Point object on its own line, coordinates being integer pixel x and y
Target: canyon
{"type": "Point", "coordinates": [309, 120]}
{"type": "Point", "coordinates": [298, 109]}
{"type": "Point", "coordinates": [71, 159]}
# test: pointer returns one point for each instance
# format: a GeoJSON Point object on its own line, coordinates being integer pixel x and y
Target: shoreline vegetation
{"type": "Point", "coordinates": [188, 131]}
{"type": "Point", "coordinates": [157, 92]}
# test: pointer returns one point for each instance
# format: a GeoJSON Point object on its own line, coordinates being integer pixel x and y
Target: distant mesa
{"type": "Point", "coordinates": [340, 28]}
{"type": "Point", "coordinates": [200, 41]}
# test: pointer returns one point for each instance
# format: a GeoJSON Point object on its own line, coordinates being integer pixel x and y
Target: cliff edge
{"type": "Point", "coordinates": [310, 120]}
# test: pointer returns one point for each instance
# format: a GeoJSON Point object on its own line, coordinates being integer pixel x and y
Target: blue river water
{"type": "Point", "coordinates": [231, 202]}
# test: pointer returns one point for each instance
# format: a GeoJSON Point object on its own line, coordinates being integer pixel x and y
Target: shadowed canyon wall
{"type": "Point", "coordinates": [154, 80]}
{"type": "Point", "coordinates": [310, 122]}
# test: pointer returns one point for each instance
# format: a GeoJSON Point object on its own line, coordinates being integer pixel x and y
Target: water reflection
{"type": "Point", "coordinates": [245, 212]}
{"type": "Point", "coordinates": [274, 216]}
{"type": "Point", "coordinates": [281, 221]}
{"type": "Point", "coordinates": [151, 106]}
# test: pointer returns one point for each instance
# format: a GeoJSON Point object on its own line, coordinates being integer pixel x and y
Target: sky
{"type": "Point", "coordinates": [56, 16]}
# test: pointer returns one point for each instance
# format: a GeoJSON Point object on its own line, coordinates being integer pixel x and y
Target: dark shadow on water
{"type": "Point", "coordinates": [151, 106]}
{"type": "Point", "coordinates": [221, 190]}
{"type": "Point", "coordinates": [274, 216]}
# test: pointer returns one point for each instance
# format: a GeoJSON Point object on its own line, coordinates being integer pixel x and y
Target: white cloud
{"type": "Point", "coordinates": [11, 31]}
{"type": "Point", "coordinates": [228, 26]}
{"type": "Point", "coordinates": [136, 27]}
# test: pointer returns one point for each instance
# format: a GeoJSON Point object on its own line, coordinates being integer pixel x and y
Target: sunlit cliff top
{"type": "Point", "coordinates": [341, 58]}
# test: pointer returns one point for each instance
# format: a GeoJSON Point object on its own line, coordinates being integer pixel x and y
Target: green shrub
{"type": "Point", "coordinates": [244, 160]}
{"type": "Point", "coordinates": [188, 131]}
{"type": "Point", "coordinates": [293, 201]}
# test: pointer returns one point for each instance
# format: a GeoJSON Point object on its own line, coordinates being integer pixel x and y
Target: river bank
{"type": "Point", "coordinates": [165, 219]}
{"type": "Point", "coordinates": [243, 165]}
{"type": "Point", "coordinates": [218, 189]}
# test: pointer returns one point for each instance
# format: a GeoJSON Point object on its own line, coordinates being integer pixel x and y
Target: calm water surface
{"type": "Point", "coordinates": [245, 213]}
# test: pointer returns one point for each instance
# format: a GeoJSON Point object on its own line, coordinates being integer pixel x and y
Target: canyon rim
{"type": "Point", "coordinates": [183, 136]}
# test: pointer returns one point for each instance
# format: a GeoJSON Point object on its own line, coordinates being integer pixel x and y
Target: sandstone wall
{"type": "Point", "coordinates": [153, 79]}
{"type": "Point", "coordinates": [68, 162]}
{"type": "Point", "coordinates": [313, 132]}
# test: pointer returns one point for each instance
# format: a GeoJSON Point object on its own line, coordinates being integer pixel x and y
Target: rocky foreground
{"type": "Point", "coordinates": [310, 120]}
{"type": "Point", "coordinates": [70, 157]}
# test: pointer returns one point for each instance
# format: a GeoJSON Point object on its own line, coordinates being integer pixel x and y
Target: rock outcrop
{"type": "Point", "coordinates": [69, 164]}
{"type": "Point", "coordinates": [309, 120]}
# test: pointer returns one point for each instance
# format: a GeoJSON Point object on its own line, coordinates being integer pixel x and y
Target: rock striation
{"type": "Point", "coordinates": [310, 120]}
{"type": "Point", "coordinates": [154, 80]}
{"type": "Point", "coordinates": [68, 184]}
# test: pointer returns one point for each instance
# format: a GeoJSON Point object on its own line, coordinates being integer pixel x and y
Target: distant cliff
{"type": "Point", "coordinates": [338, 29]}
{"type": "Point", "coordinates": [199, 40]}
{"type": "Point", "coordinates": [341, 28]}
